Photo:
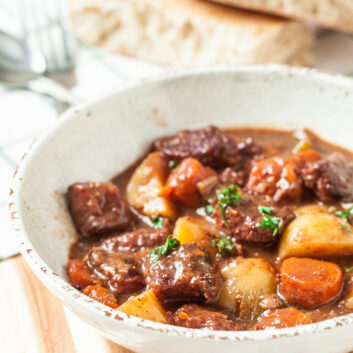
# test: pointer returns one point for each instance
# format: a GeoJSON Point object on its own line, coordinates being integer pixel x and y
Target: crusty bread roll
{"type": "Point", "coordinates": [337, 14]}
{"type": "Point", "coordinates": [182, 33]}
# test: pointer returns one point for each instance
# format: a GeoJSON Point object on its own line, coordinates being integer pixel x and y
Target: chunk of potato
{"type": "Point", "coordinates": [315, 232]}
{"type": "Point", "coordinates": [146, 306]}
{"type": "Point", "coordinates": [145, 187]}
{"type": "Point", "coordinates": [246, 281]}
{"type": "Point", "coordinates": [193, 230]}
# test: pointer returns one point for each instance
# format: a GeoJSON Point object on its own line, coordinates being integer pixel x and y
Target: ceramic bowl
{"type": "Point", "coordinates": [97, 140]}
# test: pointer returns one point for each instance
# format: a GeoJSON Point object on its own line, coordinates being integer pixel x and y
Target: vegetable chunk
{"type": "Point", "coordinates": [246, 281]}
{"type": "Point", "coordinates": [146, 306]}
{"type": "Point", "coordinates": [309, 283]}
{"type": "Point", "coordinates": [275, 177]}
{"type": "Point", "coordinates": [145, 187]}
{"type": "Point", "coordinates": [102, 295]}
{"type": "Point", "coordinates": [80, 274]}
{"type": "Point", "coordinates": [316, 233]}
{"type": "Point", "coordinates": [191, 230]}
{"type": "Point", "coordinates": [282, 318]}
{"type": "Point", "coordinates": [181, 184]}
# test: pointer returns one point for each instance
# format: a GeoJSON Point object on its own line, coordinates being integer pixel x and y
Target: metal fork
{"type": "Point", "coordinates": [43, 30]}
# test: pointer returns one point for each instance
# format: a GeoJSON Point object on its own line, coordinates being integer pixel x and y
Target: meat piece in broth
{"type": "Point", "coordinates": [193, 316]}
{"type": "Point", "coordinates": [137, 240]}
{"type": "Point", "coordinates": [251, 219]}
{"type": "Point", "coordinates": [97, 208]}
{"type": "Point", "coordinates": [211, 146]}
{"type": "Point", "coordinates": [185, 273]}
{"type": "Point", "coordinates": [120, 271]}
{"type": "Point", "coordinates": [330, 178]}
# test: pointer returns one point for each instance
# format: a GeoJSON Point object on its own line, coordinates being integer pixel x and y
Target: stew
{"type": "Point", "coordinates": [239, 229]}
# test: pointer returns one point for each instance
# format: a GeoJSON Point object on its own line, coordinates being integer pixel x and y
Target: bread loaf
{"type": "Point", "coordinates": [184, 33]}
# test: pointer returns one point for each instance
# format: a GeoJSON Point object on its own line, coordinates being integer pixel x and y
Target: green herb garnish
{"type": "Point", "coordinates": [163, 250]}
{"type": "Point", "coordinates": [273, 223]}
{"type": "Point", "coordinates": [224, 245]}
{"type": "Point", "coordinates": [157, 222]}
{"type": "Point", "coordinates": [347, 215]}
{"type": "Point", "coordinates": [265, 210]}
{"type": "Point", "coordinates": [209, 209]}
{"type": "Point", "coordinates": [228, 197]}
{"type": "Point", "coordinates": [270, 222]}
{"type": "Point", "coordinates": [348, 269]}
{"type": "Point", "coordinates": [345, 227]}
{"type": "Point", "coordinates": [173, 163]}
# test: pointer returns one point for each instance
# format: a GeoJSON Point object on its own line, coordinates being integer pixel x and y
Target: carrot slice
{"type": "Point", "coordinates": [181, 185]}
{"type": "Point", "coordinates": [101, 294]}
{"type": "Point", "coordinates": [275, 177]}
{"type": "Point", "coordinates": [281, 318]}
{"type": "Point", "coordinates": [80, 275]}
{"type": "Point", "coordinates": [309, 283]}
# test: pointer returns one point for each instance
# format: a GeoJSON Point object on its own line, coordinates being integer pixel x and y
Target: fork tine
{"type": "Point", "coordinates": [42, 27]}
{"type": "Point", "coordinates": [64, 35]}
{"type": "Point", "coordinates": [45, 31]}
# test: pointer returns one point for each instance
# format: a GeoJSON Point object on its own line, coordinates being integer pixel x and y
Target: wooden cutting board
{"type": "Point", "coordinates": [32, 320]}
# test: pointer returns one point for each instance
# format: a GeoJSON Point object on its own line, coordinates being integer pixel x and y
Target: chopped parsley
{"type": "Point", "coordinates": [173, 163]}
{"type": "Point", "coordinates": [157, 222]}
{"type": "Point", "coordinates": [347, 215]}
{"type": "Point", "coordinates": [345, 227]}
{"type": "Point", "coordinates": [270, 222]}
{"type": "Point", "coordinates": [265, 210]}
{"type": "Point", "coordinates": [228, 197]}
{"type": "Point", "coordinates": [163, 250]}
{"type": "Point", "coordinates": [348, 269]}
{"type": "Point", "coordinates": [209, 209]}
{"type": "Point", "coordinates": [224, 245]}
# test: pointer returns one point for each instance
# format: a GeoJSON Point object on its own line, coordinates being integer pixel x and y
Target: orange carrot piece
{"type": "Point", "coordinates": [102, 295]}
{"type": "Point", "coordinates": [181, 185]}
{"type": "Point", "coordinates": [282, 318]}
{"type": "Point", "coordinates": [79, 274]}
{"type": "Point", "coordinates": [309, 283]}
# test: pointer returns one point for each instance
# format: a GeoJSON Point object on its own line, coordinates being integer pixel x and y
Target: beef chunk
{"type": "Point", "coordinates": [248, 147]}
{"type": "Point", "coordinates": [275, 177]}
{"type": "Point", "coordinates": [193, 316]}
{"type": "Point", "coordinates": [229, 176]}
{"type": "Point", "coordinates": [209, 145]}
{"type": "Point", "coordinates": [186, 272]}
{"type": "Point", "coordinates": [330, 178]}
{"type": "Point", "coordinates": [120, 272]}
{"type": "Point", "coordinates": [243, 220]}
{"type": "Point", "coordinates": [97, 208]}
{"type": "Point", "coordinates": [333, 179]}
{"type": "Point", "coordinates": [137, 240]}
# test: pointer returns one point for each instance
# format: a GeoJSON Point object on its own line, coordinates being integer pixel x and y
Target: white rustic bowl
{"type": "Point", "coordinates": [98, 140]}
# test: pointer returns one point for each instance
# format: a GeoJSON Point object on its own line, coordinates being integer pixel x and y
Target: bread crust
{"type": "Point", "coordinates": [261, 6]}
{"type": "Point", "coordinates": [184, 33]}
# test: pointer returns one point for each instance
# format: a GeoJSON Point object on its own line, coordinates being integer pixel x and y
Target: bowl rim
{"type": "Point", "coordinates": [69, 294]}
